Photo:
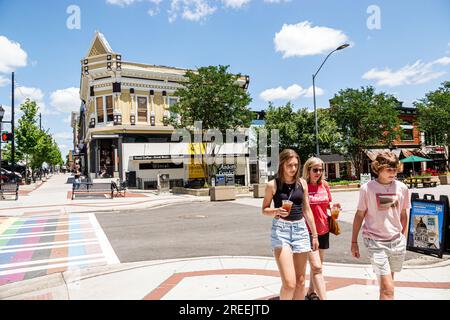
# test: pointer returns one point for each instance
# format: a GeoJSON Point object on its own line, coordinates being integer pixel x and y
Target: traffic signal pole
{"type": "Point", "coordinates": [13, 165]}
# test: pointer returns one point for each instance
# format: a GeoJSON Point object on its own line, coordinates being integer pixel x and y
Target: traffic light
{"type": "Point", "coordinates": [6, 136]}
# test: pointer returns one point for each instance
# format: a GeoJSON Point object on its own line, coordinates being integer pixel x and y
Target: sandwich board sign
{"type": "Point", "coordinates": [428, 229]}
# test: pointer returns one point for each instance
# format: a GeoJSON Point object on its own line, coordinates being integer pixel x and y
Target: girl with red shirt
{"type": "Point", "coordinates": [319, 200]}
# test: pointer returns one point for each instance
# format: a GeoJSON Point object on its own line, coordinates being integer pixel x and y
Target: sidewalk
{"type": "Point", "coordinates": [53, 197]}
{"type": "Point", "coordinates": [223, 278]}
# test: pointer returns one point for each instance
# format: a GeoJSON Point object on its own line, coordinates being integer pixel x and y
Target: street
{"type": "Point", "coordinates": [214, 228]}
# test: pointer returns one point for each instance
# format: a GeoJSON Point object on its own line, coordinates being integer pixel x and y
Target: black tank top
{"type": "Point", "coordinates": [283, 192]}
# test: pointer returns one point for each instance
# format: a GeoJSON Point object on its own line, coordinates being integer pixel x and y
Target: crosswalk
{"type": "Point", "coordinates": [40, 245]}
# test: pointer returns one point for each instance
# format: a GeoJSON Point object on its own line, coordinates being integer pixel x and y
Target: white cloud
{"type": "Point", "coordinates": [34, 94]}
{"type": "Point", "coordinates": [310, 92]}
{"type": "Point", "coordinates": [276, 1]}
{"type": "Point", "coordinates": [303, 39]}
{"type": "Point", "coordinates": [235, 4]}
{"type": "Point", "coordinates": [12, 56]}
{"type": "Point", "coordinates": [121, 3]}
{"type": "Point", "coordinates": [63, 136]}
{"type": "Point", "coordinates": [68, 119]}
{"type": "Point", "coordinates": [4, 81]}
{"type": "Point", "coordinates": [65, 100]}
{"type": "Point", "coordinates": [191, 10]}
{"type": "Point", "coordinates": [293, 92]}
{"type": "Point", "coordinates": [443, 61]}
{"type": "Point", "coordinates": [417, 73]}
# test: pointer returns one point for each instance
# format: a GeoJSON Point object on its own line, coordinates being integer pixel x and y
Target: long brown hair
{"type": "Point", "coordinates": [286, 155]}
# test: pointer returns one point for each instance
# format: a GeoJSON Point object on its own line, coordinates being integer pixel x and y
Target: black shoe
{"type": "Point", "coordinates": [312, 296]}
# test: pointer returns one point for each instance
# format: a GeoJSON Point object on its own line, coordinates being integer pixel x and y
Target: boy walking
{"type": "Point", "coordinates": [383, 205]}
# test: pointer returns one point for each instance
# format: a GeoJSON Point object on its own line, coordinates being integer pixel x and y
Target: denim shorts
{"type": "Point", "coordinates": [386, 256]}
{"type": "Point", "coordinates": [293, 234]}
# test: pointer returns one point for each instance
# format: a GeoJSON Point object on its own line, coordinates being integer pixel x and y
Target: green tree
{"type": "Point", "coordinates": [213, 96]}
{"type": "Point", "coordinates": [434, 117]}
{"type": "Point", "coordinates": [27, 132]}
{"type": "Point", "coordinates": [297, 129]}
{"type": "Point", "coordinates": [365, 119]}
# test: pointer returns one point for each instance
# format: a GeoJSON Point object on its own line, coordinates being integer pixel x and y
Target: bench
{"type": "Point", "coordinates": [92, 188]}
{"type": "Point", "coordinates": [9, 188]}
{"type": "Point", "coordinates": [427, 182]}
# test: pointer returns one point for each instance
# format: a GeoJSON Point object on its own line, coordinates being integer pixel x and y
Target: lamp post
{"type": "Point", "coordinates": [314, 95]}
{"type": "Point", "coordinates": [2, 113]}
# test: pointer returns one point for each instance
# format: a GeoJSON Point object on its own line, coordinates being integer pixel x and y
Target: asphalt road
{"type": "Point", "coordinates": [206, 229]}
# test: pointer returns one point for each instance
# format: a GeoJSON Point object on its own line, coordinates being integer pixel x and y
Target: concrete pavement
{"type": "Point", "coordinates": [53, 197]}
{"type": "Point", "coordinates": [221, 278]}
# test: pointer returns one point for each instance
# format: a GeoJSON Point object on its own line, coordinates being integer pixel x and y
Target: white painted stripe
{"type": "Point", "coordinates": [48, 261]}
{"type": "Point", "coordinates": [50, 266]}
{"type": "Point", "coordinates": [45, 243]}
{"type": "Point", "coordinates": [49, 247]}
{"type": "Point", "coordinates": [107, 249]}
{"type": "Point", "coordinates": [52, 224]}
{"type": "Point", "coordinates": [46, 233]}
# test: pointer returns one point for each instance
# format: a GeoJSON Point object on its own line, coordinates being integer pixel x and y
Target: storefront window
{"type": "Point", "coordinates": [142, 109]}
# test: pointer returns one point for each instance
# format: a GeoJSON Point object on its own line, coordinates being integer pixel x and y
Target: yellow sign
{"type": "Point", "coordinates": [196, 150]}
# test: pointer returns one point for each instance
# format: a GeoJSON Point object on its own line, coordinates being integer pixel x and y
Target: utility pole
{"type": "Point", "coordinates": [40, 121]}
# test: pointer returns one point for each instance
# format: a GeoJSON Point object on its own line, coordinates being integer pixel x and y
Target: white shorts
{"type": "Point", "coordinates": [386, 256]}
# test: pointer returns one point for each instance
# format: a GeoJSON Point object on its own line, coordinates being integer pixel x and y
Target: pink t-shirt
{"type": "Point", "coordinates": [319, 200]}
{"type": "Point", "coordinates": [384, 205]}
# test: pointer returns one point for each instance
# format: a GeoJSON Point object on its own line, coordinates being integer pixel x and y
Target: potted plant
{"type": "Point", "coordinates": [445, 178]}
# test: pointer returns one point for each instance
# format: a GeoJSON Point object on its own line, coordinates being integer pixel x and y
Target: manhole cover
{"type": "Point", "coordinates": [197, 216]}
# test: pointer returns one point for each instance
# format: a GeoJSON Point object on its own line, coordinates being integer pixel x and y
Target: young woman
{"type": "Point", "coordinates": [319, 200]}
{"type": "Point", "coordinates": [383, 205]}
{"type": "Point", "coordinates": [290, 238]}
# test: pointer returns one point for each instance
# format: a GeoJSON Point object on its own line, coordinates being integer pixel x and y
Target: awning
{"type": "Point", "coordinates": [373, 153]}
{"type": "Point", "coordinates": [105, 136]}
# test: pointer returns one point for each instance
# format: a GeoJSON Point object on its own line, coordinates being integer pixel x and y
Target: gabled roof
{"type": "Point", "coordinates": [99, 45]}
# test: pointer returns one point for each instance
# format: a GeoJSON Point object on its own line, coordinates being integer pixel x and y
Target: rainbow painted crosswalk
{"type": "Point", "coordinates": [39, 245]}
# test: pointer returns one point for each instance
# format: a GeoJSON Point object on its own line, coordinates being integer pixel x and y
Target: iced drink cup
{"type": "Point", "coordinates": [287, 205]}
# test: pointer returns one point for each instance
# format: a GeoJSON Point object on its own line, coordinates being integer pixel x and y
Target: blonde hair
{"type": "Point", "coordinates": [311, 162]}
{"type": "Point", "coordinates": [285, 156]}
{"type": "Point", "coordinates": [386, 160]}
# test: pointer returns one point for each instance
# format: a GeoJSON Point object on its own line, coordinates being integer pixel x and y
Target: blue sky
{"type": "Point", "coordinates": [400, 47]}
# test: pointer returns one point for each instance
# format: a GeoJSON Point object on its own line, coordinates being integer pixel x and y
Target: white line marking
{"type": "Point", "coordinates": [48, 261]}
{"type": "Point", "coordinates": [47, 233]}
{"type": "Point", "coordinates": [45, 243]}
{"type": "Point", "coordinates": [51, 266]}
{"type": "Point", "coordinates": [50, 224]}
{"type": "Point", "coordinates": [107, 249]}
{"type": "Point", "coordinates": [49, 247]}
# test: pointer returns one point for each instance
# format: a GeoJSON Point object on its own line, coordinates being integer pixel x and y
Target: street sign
{"type": "Point", "coordinates": [428, 225]}
{"type": "Point", "coordinates": [364, 178]}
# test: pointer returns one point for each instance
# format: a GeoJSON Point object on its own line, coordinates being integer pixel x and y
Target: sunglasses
{"type": "Point", "coordinates": [315, 170]}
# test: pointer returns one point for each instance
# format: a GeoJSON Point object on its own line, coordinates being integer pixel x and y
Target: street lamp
{"type": "Point", "coordinates": [2, 113]}
{"type": "Point", "coordinates": [314, 95]}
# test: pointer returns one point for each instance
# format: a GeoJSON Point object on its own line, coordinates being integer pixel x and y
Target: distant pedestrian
{"type": "Point", "coordinates": [290, 238]}
{"type": "Point", "coordinates": [383, 205]}
{"type": "Point", "coordinates": [319, 200]}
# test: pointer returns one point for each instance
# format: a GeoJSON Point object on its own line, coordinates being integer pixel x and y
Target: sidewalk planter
{"type": "Point", "coordinates": [445, 179]}
{"type": "Point", "coordinates": [259, 190]}
{"type": "Point", "coordinates": [223, 193]}
{"type": "Point", "coordinates": [192, 192]}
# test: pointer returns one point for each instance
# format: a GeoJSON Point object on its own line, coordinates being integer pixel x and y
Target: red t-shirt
{"type": "Point", "coordinates": [319, 201]}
